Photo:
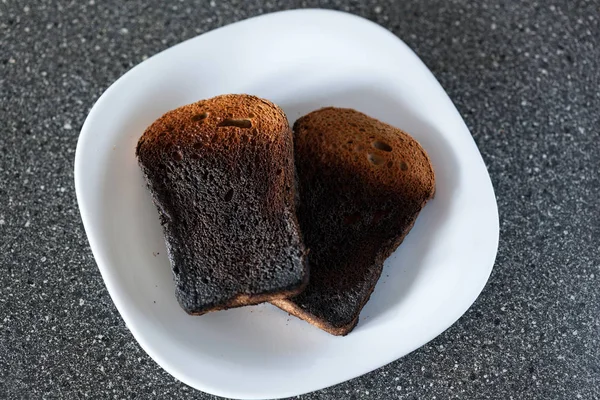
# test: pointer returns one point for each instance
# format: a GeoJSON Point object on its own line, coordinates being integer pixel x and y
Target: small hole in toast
{"type": "Point", "coordinates": [379, 215]}
{"type": "Point", "coordinates": [198, 145]}
{"type": "Point", "coordinates": [378, 144]}
{"type": "Point", "coordinates": [178, 155]}
{"type": "Point", "coordinates": [244, 123]}
{"type": "Point", "coordinates": [375, 159]}
{"type": "Point", "coordinates": [200, 117]}
{"type": "Point", "coordinates": [390, 164]}
{"type": "Point", "coordinates": [228, 195]}
{"type": "Point", "coordinates": [403, 166]}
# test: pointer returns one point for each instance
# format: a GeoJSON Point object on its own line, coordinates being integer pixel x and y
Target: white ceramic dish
{"type": "Point", "coordinates": [301, 60]}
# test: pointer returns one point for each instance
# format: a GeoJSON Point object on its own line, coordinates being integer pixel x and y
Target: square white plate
{"type": "Point", "coordinates": [301, 60]}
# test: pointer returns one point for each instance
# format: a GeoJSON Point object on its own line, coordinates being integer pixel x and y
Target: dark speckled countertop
{"type": "Point", "coordinates": [524, 75]}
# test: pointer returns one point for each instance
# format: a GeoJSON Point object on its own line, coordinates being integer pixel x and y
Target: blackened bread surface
{"type": "Point", "coordinates": [361, 185]}
{"type": "Point", "coordinates": [221, 174]}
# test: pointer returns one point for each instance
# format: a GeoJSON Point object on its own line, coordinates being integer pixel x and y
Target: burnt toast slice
{"type": "Point", "coordinates": [361, 184]}
{"type": "Point", "coordinates": [221, 174]}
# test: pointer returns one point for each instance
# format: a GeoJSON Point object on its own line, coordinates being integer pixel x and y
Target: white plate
{"type": "Point", "coordinates": [301, 60]}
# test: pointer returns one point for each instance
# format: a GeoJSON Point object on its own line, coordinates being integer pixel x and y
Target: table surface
{"type": "Point", "coordinates": [524, 75]}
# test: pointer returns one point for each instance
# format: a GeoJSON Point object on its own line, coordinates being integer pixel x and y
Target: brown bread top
{"type": "Point", "coordinates": [361, 184]}
{"type": "Point", "coordinates": [218, 122]}
{"type": "Point", "coordinates": [221, 174]}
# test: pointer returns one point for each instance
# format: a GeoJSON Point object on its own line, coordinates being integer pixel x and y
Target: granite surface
{"type": "Point", "coordinates": [524, 75]}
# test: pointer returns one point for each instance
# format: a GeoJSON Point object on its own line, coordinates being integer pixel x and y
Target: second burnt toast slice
{"type": "Point", "coordinates": [362, 184]}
